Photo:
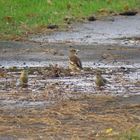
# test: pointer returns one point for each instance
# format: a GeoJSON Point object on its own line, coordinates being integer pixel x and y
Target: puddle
{"type": "Point", "coordinates": [103, 31]}
{"type": "Point", "coordinates": [110, 58]}
{"type": "Point", "coordinates": [121, 82]}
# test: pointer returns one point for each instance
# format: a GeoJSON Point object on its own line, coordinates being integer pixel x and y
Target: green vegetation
{"type": "Point", "coordinates": [132, 135]}
{"type": "Point", "coordinates": [18, 17]}
{"type": "Point", "coordinates": [128, 135]}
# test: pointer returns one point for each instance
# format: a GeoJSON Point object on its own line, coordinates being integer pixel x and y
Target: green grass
{"type": "Point", "coordinates": [132, 135]}
{"type": "Point", "coordinates": [18, 17]}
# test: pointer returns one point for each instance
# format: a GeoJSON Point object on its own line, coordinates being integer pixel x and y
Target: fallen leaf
{"type": "Point", "coordinates": [109, 130]}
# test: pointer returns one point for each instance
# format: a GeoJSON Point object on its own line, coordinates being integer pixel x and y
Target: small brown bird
{"type": "Point", "coordinates": [24, 78]}
{"type": "Point", "coordinates": [74, 61]}
{"type": "Point", "coordinates": [100, 81]}
{"type": "Point", "coordinates": [55, 70]}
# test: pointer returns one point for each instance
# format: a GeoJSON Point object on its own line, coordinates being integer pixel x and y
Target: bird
{"type": "Point", "coordinates": [24, 77]}
{"type": "Point", "coordinates": [100, 81]}
{"type": "Point", "coordinates": [3, 72]}
{"type": "Point", "coordinates": [55, 70]}
{"type": "Point", "coordinates": [75, 63]}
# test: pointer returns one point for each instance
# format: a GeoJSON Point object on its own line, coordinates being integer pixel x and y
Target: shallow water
{"type": "Point", "coordinates": [103, 31]}
{"type": "Point", "coordinates": [121, 81]}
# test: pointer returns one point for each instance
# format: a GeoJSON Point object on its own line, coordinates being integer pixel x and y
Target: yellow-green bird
{"type": "Point", "coordinates": [100, 81]}
{"type": "Point", "coordinates": [24, 78]}
{"type": "Point", "coordinates": [3, 73]}
{"type": "Point", "coordinates": [74, 61]}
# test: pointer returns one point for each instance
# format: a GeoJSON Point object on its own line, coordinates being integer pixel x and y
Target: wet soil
{"type": "Point", "coordinates": [70, 106]}
{"type": "Point", "coordinates": [87, 117]}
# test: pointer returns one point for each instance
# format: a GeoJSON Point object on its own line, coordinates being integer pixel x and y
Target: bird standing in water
{"type": "Point", "coordinates": [100, 81]}
{"type": "Point", "coordinates": [74, 61]}
{"type": "Point", "coordinates": [24, 78]}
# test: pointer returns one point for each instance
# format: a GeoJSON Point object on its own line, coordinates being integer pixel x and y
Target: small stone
{"type": "Point", "coordinates": [52, 26]}
{"type": "Point", "coordinates": [128, 13]}
{"type": "Point", "coordinates": [91, 18]}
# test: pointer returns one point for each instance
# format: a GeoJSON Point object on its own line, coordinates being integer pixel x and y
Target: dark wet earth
{"type": "Point", "coordinates": [70, 106]}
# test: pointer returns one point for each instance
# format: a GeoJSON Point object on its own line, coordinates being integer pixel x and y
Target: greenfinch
{"type": "Point", "coordinates": [100, 81]}
{"type": "Point", "coordinates": [24, 78]}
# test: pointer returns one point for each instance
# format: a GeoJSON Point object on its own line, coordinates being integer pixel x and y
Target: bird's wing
{"type": "Point", "coordinates": [76, 60]}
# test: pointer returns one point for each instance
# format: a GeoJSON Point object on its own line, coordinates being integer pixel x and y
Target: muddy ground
{"type": "Point", "coordinates": [67, 105]}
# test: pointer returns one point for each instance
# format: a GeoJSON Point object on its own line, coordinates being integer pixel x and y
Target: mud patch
{"type": "Point", "coordinates": [62, 84]}
{"type": "Point", "coordinates": [87, 117]}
